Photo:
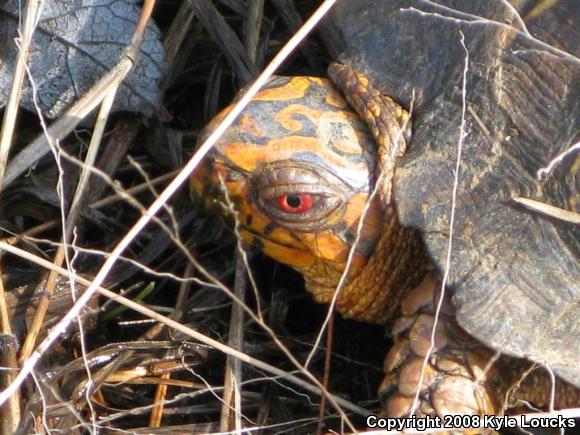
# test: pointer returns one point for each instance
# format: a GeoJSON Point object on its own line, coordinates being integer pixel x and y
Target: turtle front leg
{"type": "Point", "coordinates": [449, 381]}
{"type": "Point", "coordinates": [461, 376]}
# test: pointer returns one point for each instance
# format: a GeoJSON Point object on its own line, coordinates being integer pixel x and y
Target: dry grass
{"type": "Point", "coordinates": [95, 376]}
{"type": "Point", "coordinates": [126, 228]}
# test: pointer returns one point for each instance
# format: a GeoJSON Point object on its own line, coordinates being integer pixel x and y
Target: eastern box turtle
{"type": "Point", "coordinates": [356, 182]}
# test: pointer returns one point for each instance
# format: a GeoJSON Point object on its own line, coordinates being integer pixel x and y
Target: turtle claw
{"type": "Point", "coordinates": [457, 395]}
{"type": "Point", "coordinates": [453, 374]}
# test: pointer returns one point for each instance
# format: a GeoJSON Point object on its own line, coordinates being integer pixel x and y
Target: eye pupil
{"type": "Point", "coordinates": [293, 201]}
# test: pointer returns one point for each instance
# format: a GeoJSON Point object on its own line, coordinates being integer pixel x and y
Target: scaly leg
{"type": "Point", "coordinates": [461, 376]}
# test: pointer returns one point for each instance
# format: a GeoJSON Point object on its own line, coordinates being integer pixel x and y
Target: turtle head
{"type": "Point", "coordinates": [298, 167]}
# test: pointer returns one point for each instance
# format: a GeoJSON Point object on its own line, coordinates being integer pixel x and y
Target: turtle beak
{"type": "Point", "coordinates": [289, 255]}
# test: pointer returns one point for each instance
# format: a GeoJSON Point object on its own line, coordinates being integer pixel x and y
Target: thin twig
{"type": "Point", "coordinates": [161, 390]}
{"type": "Point", "coordinates": [549, 210]}
{"type": "Point", "coordinates": [543, 172]}
{"type": "Point", "coordinates": [10, 414]}
{"type": "Point", "coordinates": [447, 269]}
{"type": "Point", "coordinates": [31, 17]}
{"type": "Point", "coordinates": [163, 198]}
{"type": "Point", "coordinates": [342, 281]}
{"type": "Point", "coordinates": [326, 374]}
{"type": "Point", "coordinates": [242, 254]}
{"type": "Point", "coordinates": [113, 79]}
{"type": "Point", "coordinates": [41, 308]}
{"type": "Point", "coordinates": [232, 395]}
{"type": "Point", "coordinates": [69, 222]}
{"type": "Point", "coordinates": [178, 327]}
{"type": "Point", "coordinates": [53, 334]}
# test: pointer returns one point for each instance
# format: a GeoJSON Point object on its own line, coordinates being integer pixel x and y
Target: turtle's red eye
{"type": "Point", "coordinates": [295, 202]}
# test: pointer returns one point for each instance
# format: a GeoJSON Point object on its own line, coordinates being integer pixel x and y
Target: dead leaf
{"type": "Point", "coordinates": [74, 44]}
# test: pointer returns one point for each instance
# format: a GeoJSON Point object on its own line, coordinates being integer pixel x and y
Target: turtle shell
{"type": "Point", "coordinates": [472, 71]}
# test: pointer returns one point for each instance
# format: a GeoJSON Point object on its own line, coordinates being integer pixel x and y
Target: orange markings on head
{"type": "Point", "coordinates": [293, 89]}
{"type": "Point", "coordinates": [334, 99]}
{"type": "Point", "coordinates": [286, 117]}
{"type": "Point", "coordinates": [292, 127]}
{"type": "Point", "coordinates": [249, 126]}
{"type": "Point", "coordinates": [343, 130]}
{"type": "Point", "coordinates": [340, 129]}
{"type": "Point", "coordinates": [248, 156]}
